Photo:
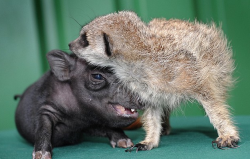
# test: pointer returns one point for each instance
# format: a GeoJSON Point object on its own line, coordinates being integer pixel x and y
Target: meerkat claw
{"type": "Point", "coordinates": [222, 146]}
{"type": "Point", "coordinates": [140, 147]}
{"type": "Point", "coordinates": [217, 144]}
{"type": "Point", "coordinates": [235, 145]}
{"type": "Point", "coordinates": [130, 149]}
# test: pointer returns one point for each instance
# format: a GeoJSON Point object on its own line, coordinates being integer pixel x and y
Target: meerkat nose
{"type": "Point", "coordinates": [70, 45]}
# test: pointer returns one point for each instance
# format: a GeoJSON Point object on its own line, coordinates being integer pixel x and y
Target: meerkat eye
{"type": "Point", "coordinates": [107, 44]}
{"type": "Point", "coordinates": [84, 40]}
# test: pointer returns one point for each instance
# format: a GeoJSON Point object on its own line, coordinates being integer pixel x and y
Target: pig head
{"type": "Point", "coordinates": [73, 98]}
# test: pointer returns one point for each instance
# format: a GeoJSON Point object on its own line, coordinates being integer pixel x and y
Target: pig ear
{"type": "Point", "coordinates": [107, 44]}
{"type": "Point", "coordinates": [60, 64]}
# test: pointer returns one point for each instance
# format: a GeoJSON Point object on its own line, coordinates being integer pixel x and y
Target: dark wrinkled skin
{"type": "Point", "coordinates": [69, 100]}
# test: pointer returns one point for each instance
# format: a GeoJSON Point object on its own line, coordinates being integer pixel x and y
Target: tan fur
{"type": "Point", "coordinates": [164, 63]}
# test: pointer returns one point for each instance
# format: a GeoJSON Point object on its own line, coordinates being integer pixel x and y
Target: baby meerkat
{"type": "Point", "coordinates": [164, 63]}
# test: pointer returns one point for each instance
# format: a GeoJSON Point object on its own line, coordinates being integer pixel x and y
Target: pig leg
{"type": "Point", "coordinates": [43, 133]}
{"type": "Point", "coordinates": [116, 136]}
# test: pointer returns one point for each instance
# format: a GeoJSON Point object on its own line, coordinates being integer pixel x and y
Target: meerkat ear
{"type": "Point", "coordinates": [107, 44]}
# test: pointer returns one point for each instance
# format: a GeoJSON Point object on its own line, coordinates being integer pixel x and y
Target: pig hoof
{"type": "Point", "coordinates": [226, 142]}
{"type": "Point", "coordinates": [140, 147]}
{"type": "Point", "coordinates": [124, 143]}
{"type": "Point", "coordinates": [40, 155]}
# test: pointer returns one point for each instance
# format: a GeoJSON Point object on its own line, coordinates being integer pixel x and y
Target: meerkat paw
{"type": "Point", "coordinates": [142, 146]}
{"type": "Point", "coordinates": [223, 142]}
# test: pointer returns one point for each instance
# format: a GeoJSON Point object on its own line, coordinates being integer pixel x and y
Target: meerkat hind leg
{"type": "Point", "coordinates": [166, 127]}
{"type": "Point", "coordinates": [151, 120]}
{"type": "Point", "coordinates": [220, 118]}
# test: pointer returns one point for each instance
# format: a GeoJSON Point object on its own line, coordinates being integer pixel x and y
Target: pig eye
{"type": "Point", "coordinates": [97, 76]}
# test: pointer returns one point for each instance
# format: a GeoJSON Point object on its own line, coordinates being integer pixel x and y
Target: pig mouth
{"type": "Point", "coordinates": [125, 112]}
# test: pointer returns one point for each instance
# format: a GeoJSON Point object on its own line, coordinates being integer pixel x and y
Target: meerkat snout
{"type": "Point", "coordinates": [69, 45]}
{"type": "Point", "coordinates": [99, 45]}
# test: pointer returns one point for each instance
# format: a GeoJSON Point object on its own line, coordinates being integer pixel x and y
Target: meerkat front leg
{"type": "Point", "coordinates": [220, 118]}
{"type": "Point", "coordinates": [151, 120]}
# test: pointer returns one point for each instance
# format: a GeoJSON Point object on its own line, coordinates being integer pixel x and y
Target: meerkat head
{"type": "Point", "coordinates": [93, 41]}
{"type": "Point", "coordinates": [107, 37]}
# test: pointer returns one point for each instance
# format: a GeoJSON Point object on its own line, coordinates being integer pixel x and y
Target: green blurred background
{"type": "Point", "coordinates": [31, 28]}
